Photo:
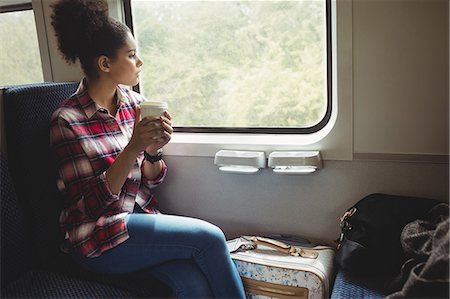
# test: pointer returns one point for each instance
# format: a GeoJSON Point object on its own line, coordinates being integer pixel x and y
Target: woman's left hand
{"type": "Point", "coordinates": [164, 135]}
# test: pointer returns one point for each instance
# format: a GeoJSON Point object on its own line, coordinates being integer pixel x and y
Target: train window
{"type": "Point", "coordinates": [237, 66]}
{"type": "Point", "coordinates": [20, 59]}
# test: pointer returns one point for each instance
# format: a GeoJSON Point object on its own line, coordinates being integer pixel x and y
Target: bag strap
{"type": "Point", "coordinates": [344, 225]}
{"type": "Point", "coordinates": [283, 247]}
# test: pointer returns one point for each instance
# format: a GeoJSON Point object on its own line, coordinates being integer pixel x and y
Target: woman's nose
{"type": "Point", "coordinates": [139, 62]}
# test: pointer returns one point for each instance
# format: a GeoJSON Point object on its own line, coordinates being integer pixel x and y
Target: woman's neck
{"type": "Point", "coordinates": [103, 93]}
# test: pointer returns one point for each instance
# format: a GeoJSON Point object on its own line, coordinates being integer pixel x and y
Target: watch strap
{"type": "Point", "coordinates": [153, 158]}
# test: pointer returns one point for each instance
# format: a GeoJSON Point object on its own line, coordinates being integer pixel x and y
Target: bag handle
{"type": "Point", "coordinates": [345, 226]}
{"type": "Point", "coordinates": [283, 247]}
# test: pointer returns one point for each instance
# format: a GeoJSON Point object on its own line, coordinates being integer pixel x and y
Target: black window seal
{"type": "Point", "coordinates": [265, 130]}
{"type": "Point", "coordinates": [15, 7]}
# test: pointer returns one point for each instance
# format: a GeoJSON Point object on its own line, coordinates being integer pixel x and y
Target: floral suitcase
{"type": "Point", "coordinates": [272, 269]}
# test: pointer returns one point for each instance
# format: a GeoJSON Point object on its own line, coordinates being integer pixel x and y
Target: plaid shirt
{"type": "Point", "coordinates": [86, 140]}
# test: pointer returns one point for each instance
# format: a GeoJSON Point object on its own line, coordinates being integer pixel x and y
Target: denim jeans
{"type": "Point", "coordinates": [188, 254]}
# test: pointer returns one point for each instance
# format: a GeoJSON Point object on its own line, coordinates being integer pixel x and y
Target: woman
{"type": "Point", "coordinates": [109, 159]}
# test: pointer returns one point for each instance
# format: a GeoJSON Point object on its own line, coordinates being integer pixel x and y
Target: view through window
{"type": "Point", "coordinates": [235, 64]}
{"type": "Point", "coordinates": [20, 59]}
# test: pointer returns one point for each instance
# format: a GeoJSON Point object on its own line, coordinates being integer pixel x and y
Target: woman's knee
{"type": "Point", "coordinates": [211, 235]}
{"type": "Point", "coordinates": [212, 238]}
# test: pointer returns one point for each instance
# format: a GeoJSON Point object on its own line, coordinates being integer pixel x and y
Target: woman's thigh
{"type": "Point", "coordinates": [155, 239]}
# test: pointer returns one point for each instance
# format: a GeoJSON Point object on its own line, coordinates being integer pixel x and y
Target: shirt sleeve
{"type": "Point", "coordinates": [150, 184]}
{"type": "Point", "coordinates": [88, 194]}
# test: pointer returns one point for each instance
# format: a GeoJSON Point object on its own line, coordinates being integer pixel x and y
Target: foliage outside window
{"type": "Point", "coordinates": [235, 64]}
{"type": "Point", "coordinates": [20, 60]}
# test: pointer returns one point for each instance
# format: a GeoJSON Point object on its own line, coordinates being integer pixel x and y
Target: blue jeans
{"type": "Point", "coordinates": [188, 254]}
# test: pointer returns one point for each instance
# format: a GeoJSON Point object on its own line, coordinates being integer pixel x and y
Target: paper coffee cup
{"type": "Point", "coordinates": [153, 108]}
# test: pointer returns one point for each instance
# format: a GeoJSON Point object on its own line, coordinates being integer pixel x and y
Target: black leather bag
{"type": "Point", "coordinates": [370, 232]}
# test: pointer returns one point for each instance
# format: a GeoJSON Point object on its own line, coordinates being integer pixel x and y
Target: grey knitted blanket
{"type": "Point", "coordinates": [426, 245]}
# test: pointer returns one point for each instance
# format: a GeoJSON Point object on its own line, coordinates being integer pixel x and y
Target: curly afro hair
{"type": "Point", "coordinates": [84, 31]}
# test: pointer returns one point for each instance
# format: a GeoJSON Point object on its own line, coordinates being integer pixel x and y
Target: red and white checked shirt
{"type": "Point", "coordinates": [86, 140]}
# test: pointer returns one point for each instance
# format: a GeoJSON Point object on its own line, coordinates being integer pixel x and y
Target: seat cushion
{"type": "Point", "coordinates": [15, 248]}
{"type": "Point", "coordinates": [140, 284]}
{"type": "Point", "coordinates": [41, 284]}
{"type": "Point", "coordinates": [347, 286]}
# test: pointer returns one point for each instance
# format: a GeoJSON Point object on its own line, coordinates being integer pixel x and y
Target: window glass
{"type": "Point", "coordinates": [235, 64]}
{"type": "Point", "coordinates": [20, 59]}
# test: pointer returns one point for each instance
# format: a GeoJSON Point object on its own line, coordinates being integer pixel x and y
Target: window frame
{"type": "Point", "coordinates": [266, 130]}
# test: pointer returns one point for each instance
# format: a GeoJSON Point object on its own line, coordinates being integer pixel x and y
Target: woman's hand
{"type": "Point", "coordinates": [164, 134]}
{"type": "Point", "coordinates": [149, 133]}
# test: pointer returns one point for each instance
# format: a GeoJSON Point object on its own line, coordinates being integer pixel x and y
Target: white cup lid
{"type": "Point", "coordinates": [155, 104]}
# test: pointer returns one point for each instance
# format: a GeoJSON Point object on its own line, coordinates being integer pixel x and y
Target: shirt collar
{"type": "Point", "coordinates": [89, 106]}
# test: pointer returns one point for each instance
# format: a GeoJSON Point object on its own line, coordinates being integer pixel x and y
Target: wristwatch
{"type": "Point", "coordinates": [153, 158]}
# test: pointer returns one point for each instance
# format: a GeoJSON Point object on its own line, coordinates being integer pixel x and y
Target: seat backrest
{"type": "Point", "coordinates": [28, 110]}
{"type": "Point", "coordinates": [15, 248]}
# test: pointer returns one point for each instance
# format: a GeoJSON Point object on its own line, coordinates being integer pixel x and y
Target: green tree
{"type": "Point", "coordinates": [235, 63]}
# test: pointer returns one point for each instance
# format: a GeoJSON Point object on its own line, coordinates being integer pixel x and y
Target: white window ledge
{"type": "Point", "coordinates": [207, 144]}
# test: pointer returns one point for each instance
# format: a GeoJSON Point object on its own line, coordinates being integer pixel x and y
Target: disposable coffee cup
{"type": "Point", "coordinates": [153, 108]}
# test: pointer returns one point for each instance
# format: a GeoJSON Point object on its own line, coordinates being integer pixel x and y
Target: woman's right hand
{"type": "Point", "coordinates": [146, 131]}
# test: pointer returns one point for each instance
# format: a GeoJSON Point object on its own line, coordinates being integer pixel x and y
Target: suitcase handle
{"type": "Point", "coordinates": [283, 247]}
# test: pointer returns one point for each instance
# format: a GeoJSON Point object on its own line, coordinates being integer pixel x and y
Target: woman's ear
{"type": "Point", "coordinates": [103, 63]}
